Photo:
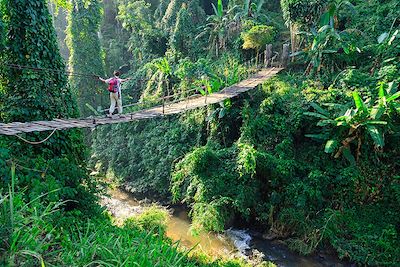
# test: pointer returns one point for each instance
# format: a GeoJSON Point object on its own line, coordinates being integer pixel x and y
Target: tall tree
{"type": "Point", "coordinates": [34, 95]}
{"type": "Point", "coordinates": [146, 41]}
{"type": "Point", "coordinates": [29, 95]}
{"type": "Point", "coordinates": [169, 19]}
{"type": "Point", "coordinates": [182, 36]}
{"type": "Point", "coordinates": [1, 32]}
{"type": "Point", "coordinates": [197, 12]}
{"type": "Point", "coordinates": [2, 40]}
{"type": "Point", "coordinates": [59, 16]}
{"type": "Point", "coordinates": [160, 11]}
{"type": "Point", "coordinates": [85, 52]}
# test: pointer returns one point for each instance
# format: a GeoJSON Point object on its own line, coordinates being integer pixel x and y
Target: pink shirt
{"type": "Point", "coordinates": [119, 83]}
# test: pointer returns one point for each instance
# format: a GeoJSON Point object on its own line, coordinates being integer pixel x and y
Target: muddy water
{"type": "Point", "coordinates": [209, 243]}
{"type": "Point", "coordinates": [123, 205]}
{"type": "Point", "coordinates": [233, 242]}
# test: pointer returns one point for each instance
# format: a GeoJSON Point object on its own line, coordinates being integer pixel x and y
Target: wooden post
{"type": "Point", "coordinates": [163, 103]}
{"type": "Point", "coordinates": [268, 55]}
{"type": "Point", "coordinates": [206, 91]}
{"type": "Point", "coordinates": [285, 55]}
{"type": "Point", "coordinates": [293, 37]}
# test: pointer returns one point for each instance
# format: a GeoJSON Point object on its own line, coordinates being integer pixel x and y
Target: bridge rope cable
{"type": "Point", "coordinates": [72, 73]}
{"type": "Point", "coordinates": [247, 64]}
{"type": "Point", "coordinates": [39, 69]}
{"type": "Point", "coordinates": [39, 142]}
{"type": "Point", "coordinates": [170, 109]}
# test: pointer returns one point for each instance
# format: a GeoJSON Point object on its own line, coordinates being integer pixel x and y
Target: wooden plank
{"type": "Point", "coordinates": [6, 131]}
{"type": "Point", "coordinates": [186, 104]}
{"type": "Point", "coordinates": [43, 126]}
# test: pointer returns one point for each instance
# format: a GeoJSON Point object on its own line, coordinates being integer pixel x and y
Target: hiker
{"type": "Point", "coordinates": [114, 87]}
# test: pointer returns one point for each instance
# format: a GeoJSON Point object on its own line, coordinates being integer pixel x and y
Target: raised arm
{"type": "Point", "coordinates": [103, 80]}
{"type": "Point", "coordinates": [125, 80]}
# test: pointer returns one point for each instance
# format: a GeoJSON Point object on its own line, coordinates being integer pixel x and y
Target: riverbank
{"type": "Point", "coordinates": [232, 243]}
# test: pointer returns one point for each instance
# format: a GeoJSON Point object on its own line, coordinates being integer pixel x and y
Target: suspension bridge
{"type": "Point", "coordinates": [263, 69]}
{"type": "Point", "coordinates": [167, 108]}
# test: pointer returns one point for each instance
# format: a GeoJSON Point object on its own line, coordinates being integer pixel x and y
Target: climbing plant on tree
{"type": "Point", "coordinates": [303, 12]}
{"type": "Point", "coordinates": [181, 38]}
{"type": "Point", "coordinates": [2, 37]}
{"type": "Point", "coordinates": [28, 95]}
{"type": "Point", "coordinates": [160, 11]}
{"type": "Point", "coordinates": [168, 21]}
{"type": "Point", "coordinates": [182, 35]}
{"type": "Point", "coordinates": [85, 52]}
{"type": "Point", "coordinates": [1, 31]}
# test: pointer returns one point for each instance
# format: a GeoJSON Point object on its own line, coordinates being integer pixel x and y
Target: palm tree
{"type": "Point", "coordinates": [217, 28]}
{"type": "Point", "coordinates": [158, 83]}
{"type": "Point", "coordinates": [333, 9]}
{"type": "Point", "coordinates": [249, 10]}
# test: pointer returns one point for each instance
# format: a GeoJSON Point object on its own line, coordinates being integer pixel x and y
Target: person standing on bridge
{"type": "Point", "coordinates": [114, 87]}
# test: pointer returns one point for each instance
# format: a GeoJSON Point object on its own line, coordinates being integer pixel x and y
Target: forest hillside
{"type": "Point", "coordinates": [310, 158]}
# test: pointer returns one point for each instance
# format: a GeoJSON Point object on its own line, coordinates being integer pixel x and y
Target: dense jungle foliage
{"type": "Point", "coordinates": [311, 157]}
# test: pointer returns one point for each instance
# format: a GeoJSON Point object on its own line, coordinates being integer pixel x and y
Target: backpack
{"type": "Point", "coordinates": [113, 85]}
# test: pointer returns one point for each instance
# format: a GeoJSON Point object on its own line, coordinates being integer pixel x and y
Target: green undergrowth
{"type": "Point", "coordinates": [274, 174]}
{"type": "Point", "coordinates": [141, 153]}
{"type": "Point", "coordinates": [41, 232]}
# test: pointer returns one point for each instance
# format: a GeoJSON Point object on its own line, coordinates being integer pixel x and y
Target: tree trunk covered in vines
{"type": "Point", "coordinates": [29, 95]}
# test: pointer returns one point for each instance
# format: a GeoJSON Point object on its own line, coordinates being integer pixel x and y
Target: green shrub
{"type": "Point", "coordinates": [153, 219]}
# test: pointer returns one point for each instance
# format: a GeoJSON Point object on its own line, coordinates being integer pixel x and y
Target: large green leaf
{"type": "Point", "coordinates": [382, 37]}
{"type": "Point", "coordinates": [347, 154]}
{"type": "Point", "coordinates": [317, 115]}
{"type": "Point", "coordinates": [220, 8]}
{"type": "Point", "coordinates": [323, 123]}
{"type": "Point", "coordinates": [358, 101]}
{"type": "Point", "coordinates": [324, 19]}
{"type": "Point", "coordinates": [376, 134]}
{"type": "Point", "coordinates": [377, 112]}
{"type": "Point", "coordinates": [319, 109]}
{"type": "Point", "coordinates": [330, 146]}
{"type": "Point", "coordinates": [393, 97]}
{"type": "Point", "coordinates": [374, 122]}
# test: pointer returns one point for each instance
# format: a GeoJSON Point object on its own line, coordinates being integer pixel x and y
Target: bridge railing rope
{"type": "Point", "coordinates": [16, 128]}
{"type": "Point", "coordinates": [262, 60]}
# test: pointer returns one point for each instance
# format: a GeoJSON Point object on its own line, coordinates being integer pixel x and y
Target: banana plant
{"type": "Point", "coordinates": [352, 125]}
{"type": "Point", "coordinates": [158, 84]}
{"type": "Point", "coordinates": [332, 12]}
{"type": "Point", "coordinates": [249, 10]}
{"type": "Point", "coordinates": [327, 39]}
{"type": "Point", "coordinates": [320, 46]}
{"type": "Point", "coordinates": [216, 28]}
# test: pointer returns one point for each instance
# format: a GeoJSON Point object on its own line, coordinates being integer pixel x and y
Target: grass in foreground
{"type": "Point", "coordinates": [38, 234]}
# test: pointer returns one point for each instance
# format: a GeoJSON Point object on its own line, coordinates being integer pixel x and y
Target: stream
{"type": "Point", "coordinates": [232, 243]}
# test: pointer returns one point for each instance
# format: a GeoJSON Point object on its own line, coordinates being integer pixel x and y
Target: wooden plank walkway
{"type": "Point", "coordinates": [181, 106]}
